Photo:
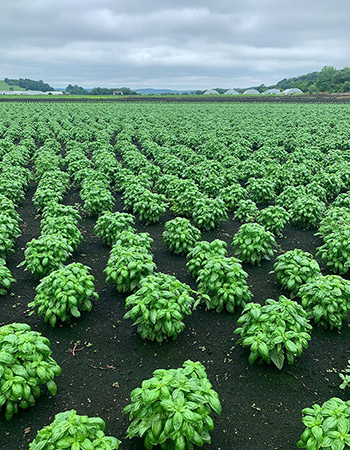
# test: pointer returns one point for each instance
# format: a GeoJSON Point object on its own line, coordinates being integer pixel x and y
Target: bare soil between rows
{"type": "Point", "coordinates": [261, 405]}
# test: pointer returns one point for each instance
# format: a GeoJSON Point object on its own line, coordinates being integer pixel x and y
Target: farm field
{"type": "Point", "coordinates": [271, 177]}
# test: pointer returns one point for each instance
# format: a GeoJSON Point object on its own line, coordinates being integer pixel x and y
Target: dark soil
{"type": "Point", "coordinates": [261, 405]}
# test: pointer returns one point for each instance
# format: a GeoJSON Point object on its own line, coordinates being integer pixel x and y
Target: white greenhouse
{"type": "Point", "coordinates": [272, 92]}
{"type": "Point", "coordinates": [251, 92]}
{"type": "Point", "coordinates": [292, 91]}
{"type": "Point", "coordinates": [211, 92]}
{"type": "Point", "coordinates": [231, 92]}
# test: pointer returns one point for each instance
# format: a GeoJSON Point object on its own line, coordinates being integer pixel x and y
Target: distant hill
{"type": "Point", "coordinates": [25, 84]}
{"type": "Point", "coordinates": [329, 79]}
{"type": "Point", "coordinates": [6, 87]}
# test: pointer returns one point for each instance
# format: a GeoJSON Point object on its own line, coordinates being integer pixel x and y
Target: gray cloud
{"type": "Point", "coordinates": [182, 44]}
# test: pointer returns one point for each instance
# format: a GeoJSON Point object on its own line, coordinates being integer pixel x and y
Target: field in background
{"type": "Point", "coordinates": [205, 143]}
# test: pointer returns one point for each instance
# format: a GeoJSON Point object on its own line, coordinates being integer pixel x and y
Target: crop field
{"type": "Point", "coordinates": [210, 240]}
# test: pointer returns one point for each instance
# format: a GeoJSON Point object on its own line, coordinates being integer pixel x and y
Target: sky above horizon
{"type": "Point", "coordinates": [166, 44]}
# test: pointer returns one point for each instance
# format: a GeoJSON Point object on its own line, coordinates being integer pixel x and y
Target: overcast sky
{"type": "Point", "coordinates": [175, 44]}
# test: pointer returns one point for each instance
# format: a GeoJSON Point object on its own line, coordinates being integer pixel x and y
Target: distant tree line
{"type": "Point", "coordinates": [329, 79]}
{"type": "Point", "coordinates": [29, 85]}
{"type": "Point", "coordinates": [78, 90]}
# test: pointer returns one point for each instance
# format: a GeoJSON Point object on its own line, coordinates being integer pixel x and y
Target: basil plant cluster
{"type": "Point", "coordinates": [72, 431]}
{"type": "Point", "coordinates": [64, 294]}
{"type": "Point", "coordinates": [327, 427]}
{"type": "Point", "coordinates": [275, 331]}
{"type": "Point", "coordinates": [25, 366]}
{"type": "Point", "coordinates": [253, 242]}
{"type": "Point", "coordinates": [173, 408]}
{"type": "Point", "coordinates": [295, 268]}
{"type": "Point", "coordinates": [180, 236]}
{"type": "Point", "coordinates": [159, 306]}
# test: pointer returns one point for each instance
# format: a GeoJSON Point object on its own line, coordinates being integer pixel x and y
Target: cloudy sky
{"type": "Point", "coordinates": [175, 44]}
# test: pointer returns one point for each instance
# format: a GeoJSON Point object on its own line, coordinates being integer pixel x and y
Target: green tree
{"type": "Point", "coordinates": [76, 90]}
{"type": "Point", "coordinates": [312, 89]}
{"type": "Point", "coordinates": [325, 81]}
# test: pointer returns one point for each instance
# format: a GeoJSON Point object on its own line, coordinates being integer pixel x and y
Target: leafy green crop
{"type": "Point", "coordinates": [342, 200]}
{"type": "Point", "coordinates": [307, 212]}
{"type": "Point", "coordinates": [260, 190]}
{"type": "Point", "coordinates": [45, 254]}
{"type": "Point", "coordinates": [345, 377]}
{"type": "Point", "coordinates": [246, 211]}
{"type": "Point", "coordinates": [327, 426]}
{"type": "Point", "coordinates": [252, 243]}
{"type": "Point", "coordinates": [202, 252]}
{"type": "Point", "coordinates": [63, 227]}
{"type": "Point", "coordinates": [97, 197]}
{"type": "Point", "coordinates": [222, 283]}
{"type": "Point", "coordinates": [208, 213]}
{"type": "Point", "coordinates": [8, 207]}
{"type": "Point", "coordinates": [127, 266]}
{"type": "Point", "coordinates": [331, 182]}
{"type": "Point", "coordinates": [232, 195]}
{"type": "Point", "coordinates": [274, 331]}
{"type": "Point", "coordinates": [132, 239]}
{"type": "Point", "coordinates": [9, 231]}
{"type": "Point", "coordinates": [289, 195]}
{"type": "Point", "coordinates": [71, 431]}
{"type": "Point", "coordinates": [336, 249]}
{"type": "Point", "coordinates": [150, 207]}
{"type": "Point", "coordinates": [6, 278]}
{"type": "Point", "coordinates": [54, 209]}
{"type": "Point", "coordinates": [183, 202]}
{"type": "Point", "coordinates": [334, 219]}
{"type": "Point", "coordinates": [295, 268]}
{"type": "Point", "coordinates": [273, 218]}
{"type": "Point", "coordinates": [108, 225]}
{"type": "Point", "coordinates": [326, 300]}
{"type": "Point", "coordinates": [158, 307]}
{"type": "Point", "coordinates": [180, 236]}
{"type": "Point", "coordinates": [64, 293]}
{"type": "Point", "coordinates": [25, 366]}
{"type": "Point", "coordinates": [173, 408]}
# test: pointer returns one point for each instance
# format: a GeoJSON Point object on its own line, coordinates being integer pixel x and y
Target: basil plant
{"type": "Point", "coordinates": [45, 254]}
{"type": "Point", "coordinates": [246, 211]}
{"type": "Point", "coordinates": [252, 243]}
{"type": "Point", "coordinates": [208, 213]}
{"type": "Point", "coordinates": [202, 252]}
{"type": "Point", "coordinates": [222, 283]}
{"type": "Point", "coordinates": [327, 426]}
{"type": "Point", "coordinates": [326, 300]}
{"type": "Point", "coordinates": [307, 211]}
{"type": "Point", "coordinates": [64, 293]}
{"type": "Point", "coordinates": [150, 207]}
{"type": "Point", "coordinates": [159, 306]}
{"type": "Point", "coordinates": [336, 249]}
{"type": "Point", "coordinates": [25, 366]}
{"type": "Point", "coordinates": [275, 331]}
{"type": "Point", "coordinates": [232, 195]}
{"type": "Point", "coordinates": [72, 431]}
{"type": "Point", "coordinates": [173, 409]}
{"type": "Point", "coordinates": [274, 219]}
{"type": "Point", "coordinates": [127, 266]}
{"type": "Point", "coordinates": [295, 268]}
{"type": "Point", "coordinates": [109, 225]}
{"type": "Point", "coordinates": [6, 278]}
{"type": "Point", "coordinates": [62, 226]}
{"type": "Point", "coordinates": [180, 236]}
{"type": "Point", "coordinates": [345, 377]}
